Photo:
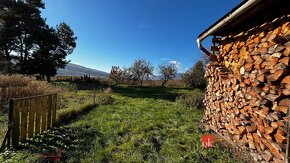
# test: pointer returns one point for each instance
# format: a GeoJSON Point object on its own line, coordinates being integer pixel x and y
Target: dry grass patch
{"type": "Point", "coordinates": [17, 86]}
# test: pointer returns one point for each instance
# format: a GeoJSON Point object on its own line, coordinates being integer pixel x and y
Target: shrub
{"type": "Point", "coordinates": [105, 97]}
{"type": "Point", "coordinates": [193, 100]}
{"type": "Point", "coordinates": [84, 82]}
{"type": "Point", "coordinates": [194, 77]}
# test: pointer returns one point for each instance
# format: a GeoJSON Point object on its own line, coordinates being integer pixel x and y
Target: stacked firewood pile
{"type": "Point", "coordinates": [248, 93]}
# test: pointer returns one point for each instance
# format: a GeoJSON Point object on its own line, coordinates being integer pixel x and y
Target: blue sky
{"type": "Point", "coordinates": [116, 32]}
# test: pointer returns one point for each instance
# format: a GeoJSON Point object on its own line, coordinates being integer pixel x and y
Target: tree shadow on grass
{"type": "Point", "coordinates": [147, 92]}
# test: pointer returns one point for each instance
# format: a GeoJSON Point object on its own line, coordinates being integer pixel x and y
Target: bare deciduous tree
{"type": "Point", "coordinates": [141, 70]}
{"type": "Point", "coordinates": [116, 74]}
{"type": "Point", "coordinates": [167, 72]}
{"type": "Point", "coordinates": [126, 74]}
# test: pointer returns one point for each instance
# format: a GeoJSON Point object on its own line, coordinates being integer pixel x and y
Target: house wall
{"type": "Point", "coordinates": [247, 99]}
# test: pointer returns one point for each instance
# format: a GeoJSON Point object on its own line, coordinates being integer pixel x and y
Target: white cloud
{"type": "Point", "coordinates": [175, 63]}
{"type": "Point", "coordinates": [183, 70]}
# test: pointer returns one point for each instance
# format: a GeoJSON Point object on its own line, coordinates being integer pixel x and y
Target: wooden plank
{"type": "Point", "coordinates": [24, 111]}
{"type": "Point", "coordinates": [49, 110]}
{"type": "Point", "coordinates": [31, 118]}
{"type": "Point", "coordinates": [10, 120]}
{"type": "Point", "coordinates": [53, 119]}
{"type": "Point", "coordinates": [44, 113]}
{"type": "Point", "coordinates": [16, 123]}
{"type": "Point", "coordinates": [38, 114]}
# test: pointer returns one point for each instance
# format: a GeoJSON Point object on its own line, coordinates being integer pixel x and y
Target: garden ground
{"type": "Point", "coordinates": [142, 125]}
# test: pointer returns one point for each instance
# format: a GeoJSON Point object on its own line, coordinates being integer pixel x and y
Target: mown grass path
{"type": "Point", "coordinates": [152, 128]}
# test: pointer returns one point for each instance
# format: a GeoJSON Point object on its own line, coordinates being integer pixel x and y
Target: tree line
{"type": "Point", "coordinates": [142, 70]}
{"type": "Point", "coordinates": [28, 45]}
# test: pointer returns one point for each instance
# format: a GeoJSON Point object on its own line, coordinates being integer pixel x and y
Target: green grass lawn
{"type": "Point", "coordinates": [143, 125]}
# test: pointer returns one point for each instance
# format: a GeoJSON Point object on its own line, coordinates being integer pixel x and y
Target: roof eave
{"type": "Point", "coordinates": [232, 15]}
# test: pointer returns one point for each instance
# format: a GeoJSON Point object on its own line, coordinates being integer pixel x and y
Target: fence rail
{"type": "Point", "coordinates": [30, 116]}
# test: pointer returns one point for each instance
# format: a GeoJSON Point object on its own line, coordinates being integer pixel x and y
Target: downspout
{"type": "Point", "coordinates": [202, 48]}
{"type": "Point", "coordinates": [199, 44]}
{"type": "Point", "coordinates": [225, 21]}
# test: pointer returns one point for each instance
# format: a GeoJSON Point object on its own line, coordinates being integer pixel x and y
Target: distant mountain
{"type": "Point", "coordinates": [77, 70]}
{"type": "Point", "coordinates": [177, 77]}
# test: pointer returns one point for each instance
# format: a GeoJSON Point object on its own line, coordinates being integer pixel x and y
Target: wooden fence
{"type": "Point", "coordinates": [30, 116]}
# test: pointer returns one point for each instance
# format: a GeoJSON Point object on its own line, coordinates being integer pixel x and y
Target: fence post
{"type": "Point", "coordinates": [10, 121]}
{"type": "Point", "coordinates": [8, 133]}
{"type": "Point", "coordinates": [94, 96]}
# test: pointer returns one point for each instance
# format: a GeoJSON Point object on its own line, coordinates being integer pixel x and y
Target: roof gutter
{"type": "Point", "coordinates": [225, 21]}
